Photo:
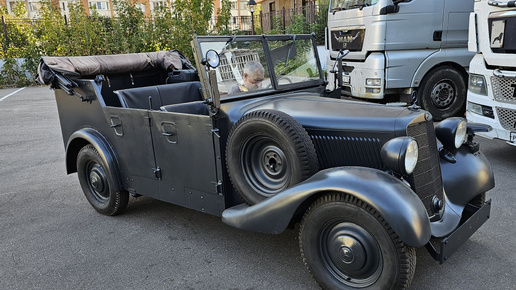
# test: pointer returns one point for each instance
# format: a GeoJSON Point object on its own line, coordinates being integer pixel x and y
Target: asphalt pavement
{"type": "Point", "coordinates": [51, 238]}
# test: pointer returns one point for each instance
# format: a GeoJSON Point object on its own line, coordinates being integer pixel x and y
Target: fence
{"type": "Point", "coordinates": [279, 20]}
{"type": "Point", "coordinates": [263, 22]}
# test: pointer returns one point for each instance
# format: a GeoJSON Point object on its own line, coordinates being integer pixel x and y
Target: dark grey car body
{"type": "Point", "coordinates": [177, 153]}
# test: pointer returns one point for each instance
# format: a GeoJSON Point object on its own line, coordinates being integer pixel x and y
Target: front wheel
{"type": "Point", "coordinates": [346, 244]}
{"type": "Point", "coordinates": [96, 183]}
{"type": "Point", "coordinates": [443, 92]}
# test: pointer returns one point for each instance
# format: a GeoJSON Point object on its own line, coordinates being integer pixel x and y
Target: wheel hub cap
{"type": "Point", "coordinates": [98, 182]}
{"type": "Point", "coordinates": [443, 94]}
{"type": "Point", "coordinates": [352, 254]}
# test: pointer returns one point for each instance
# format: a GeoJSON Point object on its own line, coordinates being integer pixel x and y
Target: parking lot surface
{"type": "Point", "coordinates": [51, 238]}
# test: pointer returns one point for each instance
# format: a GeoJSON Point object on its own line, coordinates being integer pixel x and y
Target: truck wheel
{"type": "Point", "coordinates": [346, 244]}
{"type": "Point", "coordinates": [443, 93]}
{"type": "Point", "coordinates": [96, 184]}
{"type": "Point", "coordinates": [267, 152]}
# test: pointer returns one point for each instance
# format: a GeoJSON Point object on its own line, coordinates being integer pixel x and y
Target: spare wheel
{"type": "Point", "coordinates": [268, 151]}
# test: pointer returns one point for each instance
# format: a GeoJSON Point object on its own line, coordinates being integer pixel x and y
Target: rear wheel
{"type": "Point", "coordinates": [96, 183]}
{"type": "Point", "coordinates": [346, 244]}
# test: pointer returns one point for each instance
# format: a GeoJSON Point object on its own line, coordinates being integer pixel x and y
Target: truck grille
{"type": "Point", "coordinates": [507, 118]}
{"type": "Point", "coordinates": [504, 89]}
{"type": "Point", "coordinates": [351, 39]}
{"type": "Point", "coordinates": [335, 151]}
{"type": "Point", "coordinates": [426, 178]}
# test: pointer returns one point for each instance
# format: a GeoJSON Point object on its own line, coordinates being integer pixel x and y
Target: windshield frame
{"type": "Point", "coordinates": [264, 39]}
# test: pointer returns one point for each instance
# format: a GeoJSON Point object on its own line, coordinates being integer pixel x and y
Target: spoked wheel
{"type": "Point", "coordinates": [97, 185]}
{"type": "Point", "coordinates": [346, 244]}
{"type": "Point", "coordinates": [267, 152]}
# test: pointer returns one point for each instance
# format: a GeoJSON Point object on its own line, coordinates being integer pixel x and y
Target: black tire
{"type": "Point", "coordinates": [346, 244]}
{"type": "Point", "coordinates": [96, 184]}
{"type": "Point", "coordinates": [478, 200]}
{"type": "Point", "coordinates": [443, 92]}
{"type": "Point", "coordinates": [268, 151]}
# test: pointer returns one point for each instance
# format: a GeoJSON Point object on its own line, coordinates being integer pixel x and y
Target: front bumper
{"type": "Point", "coordinates": [476, 217]}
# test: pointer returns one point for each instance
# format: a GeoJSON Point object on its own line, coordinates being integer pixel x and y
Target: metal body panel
{"type": "Point", "coordinates": [394, 201]}
{"type": "Point", "coordinates": [185, 155]}
{"type": "Point", "coordinates": [470, 176]}
{"type": "Point", "coordinates": [132, 138]}
{"type": "Point", "coordinates": [314, 113]}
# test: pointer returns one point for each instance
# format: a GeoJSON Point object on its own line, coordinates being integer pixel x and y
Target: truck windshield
{"type": "Point", "coordinates": [337, 5]}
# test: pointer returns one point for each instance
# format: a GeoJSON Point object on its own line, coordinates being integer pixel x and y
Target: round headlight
{"type": "Point", "coordinates": [460, 134]}
{"type": "Point", "coordinates": [400, 155]}
{"type": "Point", "coordinates": [451, 132]}
{"type": "Point", "coordinates": [411, 156]}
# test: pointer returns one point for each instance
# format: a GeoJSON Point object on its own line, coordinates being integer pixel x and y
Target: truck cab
{"type": "Point", "coordinates": [399, 48]}
{"type": "Point", "coordinates": [492, 81]}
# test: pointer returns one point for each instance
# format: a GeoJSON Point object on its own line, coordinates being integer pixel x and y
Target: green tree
{"type": "Point", "coordinates": [223, 18]}
{"type": "Point", "coordinates": [189, 17]}
{"type": "Point", "coordinates": [129, 31]}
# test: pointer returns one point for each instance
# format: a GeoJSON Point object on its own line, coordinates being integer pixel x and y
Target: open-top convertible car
{"type": "Point", "coordinates": [252, 136]}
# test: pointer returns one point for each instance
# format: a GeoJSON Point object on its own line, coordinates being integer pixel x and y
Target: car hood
{"type": "Point", "coordinates": [316, 113]}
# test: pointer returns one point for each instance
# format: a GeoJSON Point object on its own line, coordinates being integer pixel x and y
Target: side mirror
{"type": "Point", "coordinates": [212, 59]}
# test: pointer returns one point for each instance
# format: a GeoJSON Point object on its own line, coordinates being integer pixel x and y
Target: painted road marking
{"type": "Point", "coordinates": [11, 94]}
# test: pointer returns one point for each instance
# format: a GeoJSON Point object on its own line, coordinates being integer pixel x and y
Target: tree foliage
{"type": "Point", "coordinates": [223, 18]}
{"type": "Point", "coordinates": [170, 27]}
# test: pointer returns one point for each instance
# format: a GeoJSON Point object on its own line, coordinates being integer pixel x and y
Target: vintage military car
{"type": "Point", "coordinates": [265, 148]}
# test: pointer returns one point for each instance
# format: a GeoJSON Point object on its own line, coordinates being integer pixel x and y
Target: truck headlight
{"type": "Point", "coordinates": [451, 132]}
{"type": "Point", "coordinates": [400, 155]}
{"type": "Point", "coordinates": [373, 82]}
{"type": "Point", "coordinates": [477, 84]}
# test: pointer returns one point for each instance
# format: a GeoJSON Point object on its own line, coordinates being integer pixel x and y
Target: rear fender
{"type": "Point", "coordinates": [391, 198]}
{"type": "Point", "coordinates": [91, 136]}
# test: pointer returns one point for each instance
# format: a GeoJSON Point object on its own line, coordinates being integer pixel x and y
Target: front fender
{"type": "Point", "coordinates": [470, 176]}
{"type": "Point", "coordinates": [391, 198]}
{"type": "Point", "coordinates": [91, 136]}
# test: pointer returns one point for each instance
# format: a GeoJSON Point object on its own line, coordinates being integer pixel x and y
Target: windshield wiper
{"type": "Point", "coordinates": [502, 3]}
{"type": "Point", "coordinates": [226, 45]}
{"type": "Point", "coordinates": [361, 6]}
{"type": "Point", "coordinates": [337, 9]}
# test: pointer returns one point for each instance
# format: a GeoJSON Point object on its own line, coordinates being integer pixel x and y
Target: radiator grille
{"type": "Point", "coordinates": [335, 151]}
{"type": "Point", "coordinates": [504, 89]}
{"type": "Point", "coordinates": [426, 178]}
{"type": "Point", "coordinates": [507, 118]}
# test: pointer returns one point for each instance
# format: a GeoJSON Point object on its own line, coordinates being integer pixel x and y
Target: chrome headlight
{"type": "Point", "coordinates": [400, 155]}
{"type": "Point", "coordinates": [451, 132]}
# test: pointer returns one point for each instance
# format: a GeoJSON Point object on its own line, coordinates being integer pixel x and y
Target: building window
{"type": "Point", "coordinates": [99, 5]}
{"type": "Point", "coordinates": [34, 6]}
{"type": "Point", "coordinates": [157, 4]}
{"type": "Point", "coordinates": [233, 5]}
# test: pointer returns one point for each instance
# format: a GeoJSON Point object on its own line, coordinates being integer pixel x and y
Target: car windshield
{"type": "Point", "coordinates": [252, 64]}
{"type": "Point", "coordinates": [337, 5]}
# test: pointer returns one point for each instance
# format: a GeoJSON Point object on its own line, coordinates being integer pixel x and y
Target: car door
{"type": "Point", "coordinates": [132, 141]}
{"type": "Point", "coordinates": [185, 155]}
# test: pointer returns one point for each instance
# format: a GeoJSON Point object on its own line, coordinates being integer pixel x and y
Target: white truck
{"type": "Point", "coordinates": [401, 47]}
{"type": "Point", "coordinates": [492, 81]}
